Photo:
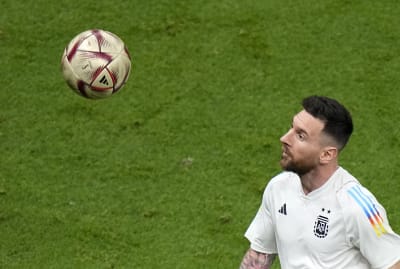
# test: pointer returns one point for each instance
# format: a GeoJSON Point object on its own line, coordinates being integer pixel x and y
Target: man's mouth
{"type": "Point", "coordinates": [285, 152]}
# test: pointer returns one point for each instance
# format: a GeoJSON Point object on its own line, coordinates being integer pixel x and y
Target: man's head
{"type": "Point", "coordinates": [317, 135]}
{"type": "Point", "coordinates": [337, 119]}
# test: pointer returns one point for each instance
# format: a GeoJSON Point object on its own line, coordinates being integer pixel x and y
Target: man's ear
{"type": "Point", "coordinates": [328, 154]}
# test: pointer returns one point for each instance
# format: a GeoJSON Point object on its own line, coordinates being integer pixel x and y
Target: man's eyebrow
{"type": "Point", "coordinates": [299, 129]}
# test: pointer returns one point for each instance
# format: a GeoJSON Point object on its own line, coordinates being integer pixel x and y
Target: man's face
{"type": "Point", "coordinates": [301, 145]}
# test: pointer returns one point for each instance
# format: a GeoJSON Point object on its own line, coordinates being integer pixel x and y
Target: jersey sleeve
{"type": "Point", "coordinates": [368, 228]}
{"type": "Point", "coordinates": [261, 233]}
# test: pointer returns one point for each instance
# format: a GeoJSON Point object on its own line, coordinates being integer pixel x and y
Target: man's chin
{"type": "Point", "coordinates": [284, 164]}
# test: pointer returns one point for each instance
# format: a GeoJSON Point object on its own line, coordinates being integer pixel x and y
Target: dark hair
{"type": "Point", "coordinates": [337, 119]}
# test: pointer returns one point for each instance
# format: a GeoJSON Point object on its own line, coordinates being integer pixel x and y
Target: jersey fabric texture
{"type": "Point", "coordinates": [339, 225]}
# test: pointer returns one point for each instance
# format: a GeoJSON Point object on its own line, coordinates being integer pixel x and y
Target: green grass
{"type": "Point", "coordinates": [169, 172]}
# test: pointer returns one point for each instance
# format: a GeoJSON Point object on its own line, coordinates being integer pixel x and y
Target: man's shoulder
{"type": "Point", "coordinates": [351, 193]}
{"type": "Point", "coordinates": [344, 181]}
{"type": "Point", "coordinates": [361, 209]}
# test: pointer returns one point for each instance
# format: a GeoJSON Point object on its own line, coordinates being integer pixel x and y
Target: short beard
{"type": "Point", "coordinates": [297, 169]}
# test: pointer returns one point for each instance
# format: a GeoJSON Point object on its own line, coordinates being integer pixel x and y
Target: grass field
{"type": "Point", "coordinates": [169, 172]}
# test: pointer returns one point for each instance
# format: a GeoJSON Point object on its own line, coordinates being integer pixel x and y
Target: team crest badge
{"type": "Point", "coordinates": [321, 226]}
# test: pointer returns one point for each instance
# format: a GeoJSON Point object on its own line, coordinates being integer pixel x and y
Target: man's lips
{"type": "Point", "coordinates": [285, 152]}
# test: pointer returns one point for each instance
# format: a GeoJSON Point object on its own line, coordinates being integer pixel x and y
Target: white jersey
{"type": "Point", "coordinates": [340, 225]}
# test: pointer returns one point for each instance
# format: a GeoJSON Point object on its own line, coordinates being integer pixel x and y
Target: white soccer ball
{"type": "Point", "coordinates": [96, 64]}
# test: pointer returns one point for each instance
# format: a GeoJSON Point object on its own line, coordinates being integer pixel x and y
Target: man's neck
{"type": "Point", "coordinates": [317, 177]}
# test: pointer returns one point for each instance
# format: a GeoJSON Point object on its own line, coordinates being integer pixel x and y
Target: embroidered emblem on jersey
{"type": "Point", "coordinates": [283, 209]}
{"type": "Point", "coordinates": [369, 209]}
{"type": "Point", "coordinates": [321, 226]}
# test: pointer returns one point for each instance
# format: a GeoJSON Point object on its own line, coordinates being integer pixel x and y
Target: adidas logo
{"type": "Point", "coordinates": [283, 209]}
{"type": "Point", "coordinates": [104, 80]}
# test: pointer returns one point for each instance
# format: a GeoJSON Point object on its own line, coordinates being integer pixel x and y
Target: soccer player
{"type": "Point", "coordinates": [315, 214]}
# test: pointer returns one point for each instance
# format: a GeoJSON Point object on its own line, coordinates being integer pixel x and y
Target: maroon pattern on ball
{"type": "Point", "coordinates": [97, 72]}
{"type": "Point", "coordinates": [73, 50]}
{"type": "Point", "coordinates": [99, 37]}
{"type": "Point", "coordinates": [123, 82]}
{"type": "Point", "coordinates": [81, 88]}
{"type": "Point", "coordinates": [103, 55]}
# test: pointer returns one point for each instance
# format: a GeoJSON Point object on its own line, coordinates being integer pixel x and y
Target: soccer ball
{"type": "Point", "coordinates": [96, 64]}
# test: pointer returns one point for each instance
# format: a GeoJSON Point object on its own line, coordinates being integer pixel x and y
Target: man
{"type": "Point", "coordinates": [315, 214]}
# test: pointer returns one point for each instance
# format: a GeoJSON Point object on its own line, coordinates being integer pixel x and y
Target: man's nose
{"type": "Point", "coordinates": [285, 138]}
